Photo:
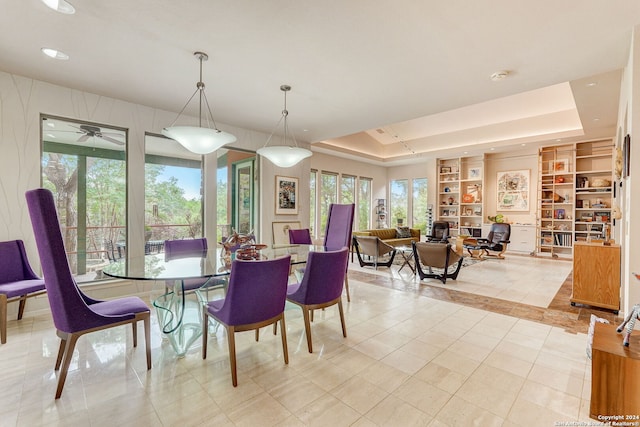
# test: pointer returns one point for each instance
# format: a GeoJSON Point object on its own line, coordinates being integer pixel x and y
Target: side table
{"type": "Point", "coordinates": [407, 255]}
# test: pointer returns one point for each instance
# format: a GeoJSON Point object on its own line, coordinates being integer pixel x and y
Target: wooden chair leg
{"type": "Point", "coordinates": [346, 287]}
{"type": "Point", "coordinates": [68, 355]}
{"type": "Point", "coordinates": [146, 321]}
{"type": "Point", "coordinates": [63, 345]}
{"type": "Point", "coordinates": [3, 318]}
{"type": "Point", "coordinates": [134, 327]}
{"type": "Point", "coordinates": [283, 332]}
{"type": "Point", "coordinates": [307, 328]}
{"type": "Point", "coordinates": [23, 302]}
{"type": "Point", "coordinates": [231, 339]}
{"type": "Point", "coordinates": [205, 332]}
{"type": "Point", "coordinates": [257, 334]}
{"type": "Point", "coordinates": [344, 327]}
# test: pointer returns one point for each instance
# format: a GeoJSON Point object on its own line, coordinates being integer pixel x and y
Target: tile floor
{"type": "Point", "coordinates": [416, 354]}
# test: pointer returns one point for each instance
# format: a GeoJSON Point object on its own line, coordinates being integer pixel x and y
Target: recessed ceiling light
{"type": "Point", "coordinates": [492, 148]}
{"type": "Point", "coordinates": [592, 84]}
{"type": "Point", "coordinates": [55, 54]}
{"type": "Point", "coordinates": [596, 119]}
{"type": "Point", "coordinates": [499, 75]}
{"type": "Point", "coordinates": [558, 140]}
{"type": "Point", "coordinates": [61, 6]}
{"type": "Point", "coordinates": [466, 152]}
{"type": "Point", "coordinates": [524, 145]}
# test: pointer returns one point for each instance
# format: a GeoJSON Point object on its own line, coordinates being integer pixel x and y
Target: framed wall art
{"type": "Point", "coordinates": [286, 195]}
{"type": "Point", "coordinates": [513, 190]}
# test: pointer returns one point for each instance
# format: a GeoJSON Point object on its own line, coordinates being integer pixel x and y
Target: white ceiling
{"type": "Point", "coordinates": [355, 66]}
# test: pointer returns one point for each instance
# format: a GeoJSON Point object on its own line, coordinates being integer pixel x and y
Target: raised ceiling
{"type": "Point", "coordinates": [386, 81]}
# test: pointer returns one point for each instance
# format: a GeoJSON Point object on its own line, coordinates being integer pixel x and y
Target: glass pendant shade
{"type": "Point", "coordinates": [199, 139]}
{"type": "Point", "coordinates": [284, 156]}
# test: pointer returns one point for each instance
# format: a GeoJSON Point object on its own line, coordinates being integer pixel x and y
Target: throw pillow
{"type": "Point", "coordinates": [403, 233]}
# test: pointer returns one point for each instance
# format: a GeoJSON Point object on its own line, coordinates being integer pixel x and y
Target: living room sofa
{"type": "Point", "coordinates": [389, 236]}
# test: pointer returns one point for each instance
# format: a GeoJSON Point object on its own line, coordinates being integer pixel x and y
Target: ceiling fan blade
{"type": "Point", "coordinates": [111, 133]}
{"type": "Point", "coordinates": [83, 138]}
{"type": "Point", "coordinates": [108, 138]}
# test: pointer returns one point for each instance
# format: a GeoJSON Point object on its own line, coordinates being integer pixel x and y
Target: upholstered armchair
{"type": "Point", "coordinates": [496, 241]}
{"type": "Point", "coordinates": [432, 255]}
{"type": "Point", "coordinates": [374, 249]}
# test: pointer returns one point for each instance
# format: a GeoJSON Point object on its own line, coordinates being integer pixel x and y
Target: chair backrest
{"type": "Point", "coordinates": [174, 249]}
{"type": "Point", "coordinates": [339, 226]}
{"type": "Point", "coordinates": [300, 236]}
{"type": "Point", "coordinates": [499, 231]}
{"type": "Point", "coordinates": [439, 230]}
{"type": "Point", "coordinates": [256, 292]}
{"type": "Point", "coordinates": [372, 246]}
{"type": "Point", "coordinates": [68, 307]}
{"type": "Point", "coordinates": [323, 276]}
{"type": "Point", "coordinates": [432, 254]}
{"type": "Point", "coordinates": [14, 265]}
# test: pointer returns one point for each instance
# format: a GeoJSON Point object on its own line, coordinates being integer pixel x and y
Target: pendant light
{"type": "Point", "coordinates": [198, 139]}
{"type": "Point", "coordinates": [284, 156]}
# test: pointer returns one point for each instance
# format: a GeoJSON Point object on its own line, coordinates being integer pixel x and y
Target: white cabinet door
{"type": "Point", "coordinates": [523, 238]}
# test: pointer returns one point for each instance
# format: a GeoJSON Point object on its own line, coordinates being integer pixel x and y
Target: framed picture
{"type": "Point", "coordinates": [560, 166]}
{"type": "Point", "coordinates": [281, 231]}
{"type": "Point", "coordinates": [475, 173]}
{"type": "Point", "coordinates": [626, 156]}
{"type": "Point", "coordinates": [513, 190]}
{"type": "Point", "coordinates": [445, 169]}
{"type": "Point", "coordinates": [286, 195]}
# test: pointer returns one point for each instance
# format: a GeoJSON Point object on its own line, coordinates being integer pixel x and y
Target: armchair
{"type": "Point", "coordinates": [375, 248]}
{"type": "Point", "coordinates": [439, 232]}
{"type": "Point", "coordinates": [436, 255]}
{"type": "Point", "coordinates": [17, 281]}
{"type": "Point", "coordinates": [496, 241]}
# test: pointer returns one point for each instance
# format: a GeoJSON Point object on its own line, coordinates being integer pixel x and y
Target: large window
{"type": "Point", "coordinates": [173, 192]}
{"type": "Point", "coordinates": [347, 189]}
{"type": "Point", "coordinates": [419, 207]}
{"type": "Point", "coordinates": [399, 203]}
{"type": "Point", "coordinates": [83, 164]}
{"type": "Point", "coordinates": [364, 204]}
{"type": "Point", "coordinates": [328, 195]}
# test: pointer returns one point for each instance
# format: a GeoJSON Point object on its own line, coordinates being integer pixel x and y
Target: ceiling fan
{"type": "Point", "coordinates": [89, 131]}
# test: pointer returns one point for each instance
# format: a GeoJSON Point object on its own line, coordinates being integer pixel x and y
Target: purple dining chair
{"type": "Point", "coordinates": [17, 281]}
{"type": "Point", "coordinates": [337, 234]}
{"type": "Point", "coordinates": [255, 298]}
{"type": "Point", "coordinates": [175, 249]}
{"type": "Point", "coordinates": [321, 286]}
{"type": "Point", "coordinates": [300, 236]}
{"type": "Point", "coordinates": [74, 313]}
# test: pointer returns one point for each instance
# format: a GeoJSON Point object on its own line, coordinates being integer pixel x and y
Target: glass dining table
{"type": "Point", "coordinates": [180, 317]}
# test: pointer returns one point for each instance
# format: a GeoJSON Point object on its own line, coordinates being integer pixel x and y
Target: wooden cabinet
{"type": "Point", "coordinates": [596, 275]}
{"type": "Point", "coordinates": [615, 375]}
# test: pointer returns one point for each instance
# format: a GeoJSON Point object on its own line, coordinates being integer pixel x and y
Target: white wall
{"type": "Point", "coordinates": [525, 159]}
{"type": "Point", "coordinates": [628, 232]}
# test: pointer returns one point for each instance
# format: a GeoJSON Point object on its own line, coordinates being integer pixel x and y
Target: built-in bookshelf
{"type": "Point", "coordinates": [460, 194]}
{"type": "Point", "coordinates": [574, 195]}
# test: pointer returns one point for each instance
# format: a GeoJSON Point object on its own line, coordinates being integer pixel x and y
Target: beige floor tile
{"type": "Point", "coordinates": [406, 362]}
{"type": "Point", "coordinates": [393, 412]}
{"type": "Point", "coordinates": [557, 380]}
{"type": "Point", "coordinates": [259, 410]}
{"type": "Point", "coordinates": [296, 393]}
{"type": "Point", "coordinates": [552, 399]}
{"type": "Point", "coordinates": [441, 377]}
{"type": "Point", "coordinates": [328, 411]}
{"type": "Point", "coordinates": [387, 377]}
{"type": "Point", "coordinates": [422, 395]}
{"type": "Point", "coordinates": [359, 394]}
{"type": "Point", "coordinates": [460, 412]}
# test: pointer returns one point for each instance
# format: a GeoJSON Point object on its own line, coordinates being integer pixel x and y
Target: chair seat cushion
{"type": "Point", "coordinates": [21, 287]}
{"type": "Point", "coordinates": [120, 307]}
